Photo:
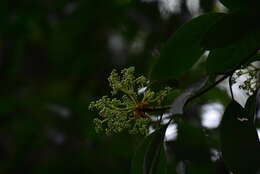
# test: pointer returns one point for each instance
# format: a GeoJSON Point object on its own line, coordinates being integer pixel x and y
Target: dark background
{"type": "Point", "coordinates": [55, 57]}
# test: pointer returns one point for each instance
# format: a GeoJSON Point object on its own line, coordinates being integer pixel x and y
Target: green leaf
{"type": "Point", "coordinates": [191, 143]}
{"type": "Point", "coordinates": [224, 59]}
{"type": "Point", "coordinates": [256, 57]}
{"type": "Point", "coordinates": [239, 141]}
{"type": "Point", "coordinates": [162, 167]}
{"type": "Point", "coordinates": [183, 49]}
{"type": "Point", "coordinates": [250, 108]}
{"type": "Point", "coordinates": [240, 4]}
{"type": "Point", "coordinates": [171, 97]}
{"type": "Point", "coordinates": [230, 28]}
{"type": "Point", "coordinates": [153, 152]}
{"type": "Point", "coordinates": [179, 102]}
{"type": "Point", "coordinates": [147, 156]}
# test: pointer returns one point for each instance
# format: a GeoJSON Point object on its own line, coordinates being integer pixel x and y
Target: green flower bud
{"type": "Point", "coordinates": [252, 81]}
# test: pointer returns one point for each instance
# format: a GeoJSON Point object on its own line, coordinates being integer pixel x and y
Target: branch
{"type": "Point", "coordinates": [222, 78]}
{"type": "Point", "coordinates": [226, 75]}
{"type": "Point", "coordinates": [156, 108]}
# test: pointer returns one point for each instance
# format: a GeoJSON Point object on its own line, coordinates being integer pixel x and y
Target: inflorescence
{"type": "Point", "coordinates": [127, 111]}
{"type": "Point", "coordinates": [251, 83]}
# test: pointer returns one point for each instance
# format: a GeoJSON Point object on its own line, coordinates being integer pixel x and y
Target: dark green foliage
{"type": "Point", "coordinates": [231, 28]}
{"type": "Point", "coordinates": [179, 102]}
{"type": "Point", "coordinates": [240, 4]}
{"type": "Point", "coordinates": [256, 57]}
{"type": "Point", "coordinates": [239, 141]}
{"type": "Point", "coordinates": [183, 49]}
{"type": "Point", "coordinates": [150, 154]}
{"type": "Point", "coordinates": [191, 148]}
{"type": "Point", "coordinates": [233, 55]}
{"type": "Point", "coordinates": [233, 41]}
{"type": "Point", "coordinates": [55, 57]}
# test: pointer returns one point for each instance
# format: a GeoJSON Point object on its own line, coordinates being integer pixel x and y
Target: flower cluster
{"type": "Point", "coordinates": [251, 83]}
{"type": "Point", "coordinates": [127, 111]}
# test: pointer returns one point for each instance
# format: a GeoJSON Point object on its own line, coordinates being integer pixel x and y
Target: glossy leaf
{"type": "Point", "coordinates": [183, 49]}
{"type": "Point", "coordinates": [149, 153]}
{"type": "Point", "coordinates": [224, 59]}
{"type": "Point", "coordinates": [231, 28]}
{"type": "Point", "coordinates": [239, 141]}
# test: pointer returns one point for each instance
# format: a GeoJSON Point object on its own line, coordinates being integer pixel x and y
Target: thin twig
{"type": "Point", "coordinates": [207, 89]}
{"type": "Point", "coordinates": [230, 87]}
{"type": "Point", "coordinates": [156, 108]}
{"type": "Point", "coordinates": [222, 78]}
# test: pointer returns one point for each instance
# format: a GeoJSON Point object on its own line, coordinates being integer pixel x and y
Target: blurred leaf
{"type": "Point", "coordinates": [183, 48]}
{"type": "Point", "coordinates": [230, 28]}
{"type": "Point", "coordinates": [221, 60]}
{"type": "Point", "coordinates": [155, 148]}
{"type": "Point", "coordinates": [147, 156]}
{"type": "Point", "coordinates": [203, 168]}
{"type": "Point", "coordinates": [207, 5]}
{"type": "Point", "coordinates": [191, 148]}
{"type": "Point", "coordinates": [191, 142]}
{"type": "Point", "coordinates": [215, 95]}
{"type": "Point", "coordinates": [162, 166]}
{"type": "Point", "coordinates": [4, 17]}
{"type": "Point", "coordinates": [7, 105]}
{"type": "Point", "coordinates": [170, 97]}
{"type": "Point", "coordinates": [250, 108]}
{"type": "Point", "coordinates": [239, 4]}
{"type": "Point", "coordinates": [179, 102]}
{"type": "Point", "coordinates": [256, 57]}
{"type": "Point", "coordinates": [239, 141]}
